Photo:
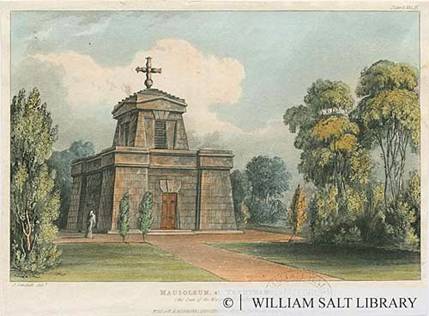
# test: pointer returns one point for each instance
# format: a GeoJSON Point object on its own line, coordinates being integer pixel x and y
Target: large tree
{"type": "Point", "coordinates": [34, 202]}
{"type": "Point", "coordinates": [331, 155]}
{"type": "Point", "coordinates": [388, 114]}
{"type": "Point", "coordinates": [331, 158]}
{"type": "Point", "coordinates": [268, 179]}
{"type": "Point", "coordinates": [61, 161]}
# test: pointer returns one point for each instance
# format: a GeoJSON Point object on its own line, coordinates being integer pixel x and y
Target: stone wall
{"type": "Point", "coordinates": [186, 183]}
{"type": "Point", "coordinates": [140, 129]}
{"type": "Point", "coordinates": [216, 206]}
{"type": "Point", "coordinates": [216, 209]}
{"type": "Point", "coordinates": [91, 199]}
{"type": "Point", "coordinates": [133, 180]}
{"type": "Point", "coordinates": [200, 179]}
{"type": "Point", "coordinates": [104, 220]}
{"type": "Point", "coordinates": [72, 218]}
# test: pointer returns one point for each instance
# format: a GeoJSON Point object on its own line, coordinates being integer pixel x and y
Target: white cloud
{"type": "Point", "coordinates": [203, 80]}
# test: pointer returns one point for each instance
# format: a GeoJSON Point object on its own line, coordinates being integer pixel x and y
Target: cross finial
{"type": "Point", "coordinates": [149, 71]}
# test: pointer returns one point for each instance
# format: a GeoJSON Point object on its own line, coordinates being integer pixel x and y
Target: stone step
{"type": "Point", "coordinates": [161, 232]}
{"type": "Point", "coordinates": [170, 232]}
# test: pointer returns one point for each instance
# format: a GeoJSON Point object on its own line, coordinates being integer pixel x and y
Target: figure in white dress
{"type": "Point", "coordinates": [90, 224]}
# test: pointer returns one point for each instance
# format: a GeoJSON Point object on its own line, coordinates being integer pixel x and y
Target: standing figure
{"type": "Point", "coordinates": [90, 224]}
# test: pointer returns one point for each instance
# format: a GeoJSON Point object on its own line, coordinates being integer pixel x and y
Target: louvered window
{"type": "Point", "coordinates": [160, 134]}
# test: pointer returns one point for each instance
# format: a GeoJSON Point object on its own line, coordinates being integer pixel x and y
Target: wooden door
{"type": "Point", "coordinates": [168, 213]}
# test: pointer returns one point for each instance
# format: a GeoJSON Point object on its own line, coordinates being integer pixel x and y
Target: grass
{"type": "Point", "coordinates": [347, 263]}
{"type": "Point", "coordinates": [119, 262]}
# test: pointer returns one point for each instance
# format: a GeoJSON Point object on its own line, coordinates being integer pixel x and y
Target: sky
{"type": "Point", "coordinates": [238, 71]}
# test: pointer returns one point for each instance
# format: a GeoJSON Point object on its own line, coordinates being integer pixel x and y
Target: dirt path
{"type": "Point", "coordinates": [229, 265]}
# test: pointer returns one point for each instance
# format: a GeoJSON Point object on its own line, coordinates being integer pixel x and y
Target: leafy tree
{"type": "Point", "coordinates": [328, 223]}
{"type": "Point", "coordinates": [123, 220]}
{"type": "Point", "coordinates": [412, 198]}
{"type": "Point", "coordinates": [403, 221]}
{"type": "Point", "coordinates": [61, 162]}
{"type": "Point", "coordinates": [327, 137]}
{"type": "Point", "coordinates": [80, 149]}
{"type": "Point", "coordinates": [368, 207]}
{"type": "Point", "coordinates": [332, 159]}
{"type": "Point", "coordinates": [298, 213]}
{"type": "Point", "coordinates": [389, 117]}
{"type": "Point", "coordinates": [240, 191]}
{"type": "Point", "coordinates": [268, 179]}
{"type": "Point", "coordinates": [34, 202]}
{"type": "Point", "coordinates": [145, 213]}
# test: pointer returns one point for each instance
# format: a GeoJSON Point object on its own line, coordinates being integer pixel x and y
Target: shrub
{"type": "Point", "coordinates": [298, 211]}
{"type": "Point", "coordinates": [123, 221]}
{"type": "Point", "coordinates": [145, 213]}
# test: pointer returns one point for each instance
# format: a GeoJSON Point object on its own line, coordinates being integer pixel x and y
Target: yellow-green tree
{"type": "Point", "coordinates": [389, 116]}
{"type": "Point", "coordinates": [332, 157]}
{"type": "Point", "coordinates": [298, 211]}
{"type": "Point", "coordinates": [34, 202]}
{"type": "Point", "coordinates": [327, 137]}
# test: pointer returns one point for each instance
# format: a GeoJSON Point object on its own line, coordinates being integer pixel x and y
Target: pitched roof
{"type": "Point", "coordinates": [147, 95]}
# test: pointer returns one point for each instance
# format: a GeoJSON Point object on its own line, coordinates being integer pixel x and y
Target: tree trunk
{"type": "Point", "coordinates": [28, 242]}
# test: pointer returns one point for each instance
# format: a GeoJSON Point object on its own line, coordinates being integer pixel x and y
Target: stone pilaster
{"type": "Point", "coordinates": [216, 209]}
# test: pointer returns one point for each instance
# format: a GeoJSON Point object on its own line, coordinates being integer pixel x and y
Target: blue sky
{"type": "Point", "coordinates": [267, 60]}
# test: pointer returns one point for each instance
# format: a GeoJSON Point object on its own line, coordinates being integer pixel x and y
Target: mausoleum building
{"type": "Point", "coordinates": [150, 152]}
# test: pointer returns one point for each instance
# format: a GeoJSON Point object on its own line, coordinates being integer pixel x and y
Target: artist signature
{"type": "Point", "coordinates": [29, 284]}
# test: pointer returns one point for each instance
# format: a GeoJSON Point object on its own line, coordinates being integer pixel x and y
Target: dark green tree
{"type": "Point", "coordinates": [145, 213]}
{"type": "Point", "coordinates": [34, 202]}
{"type": "Point", "coordinates": [268, 179]}
{"type": "Point", "coordinates": [124, 218]}
{"type": "Point", "coordinates": [61, 161]}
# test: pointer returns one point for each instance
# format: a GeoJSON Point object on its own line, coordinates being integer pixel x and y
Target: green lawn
{"type": "Point", "coordinates": [347, 263]}
{"type": "Point", "coordinates": [120, 262]}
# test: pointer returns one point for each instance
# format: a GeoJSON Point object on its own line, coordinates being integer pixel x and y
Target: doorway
{"type": "Point", "coordinates": [168, 212]}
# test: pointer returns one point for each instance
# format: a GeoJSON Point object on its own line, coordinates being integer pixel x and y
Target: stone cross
{"type": "Point", "coordinates": [149, 71]}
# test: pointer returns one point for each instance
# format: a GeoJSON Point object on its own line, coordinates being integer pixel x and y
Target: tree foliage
{"type": "Point", "coordinates": [61, 161]}
{"type": "Point", "coordinates": [412, 197]}
{"type": "Point", "coordinates": [298, 211]}
{"type": "Point", "coordinates": [34, 202]}
{"type": "Point", "coordinates": [124, 217]}
{"type": "Point", "coordinates": [403, 221]}
{"type": "Point", "coordinates": [145, 213]}
{"type": "Point", "coordinates": [328, 138]}
{"type": "Point", "coordinates": [268, 179]}
{"type": "Point", "coordinates": [389, 116]}
{"type": "Point", "coordinates": [336, 140]}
